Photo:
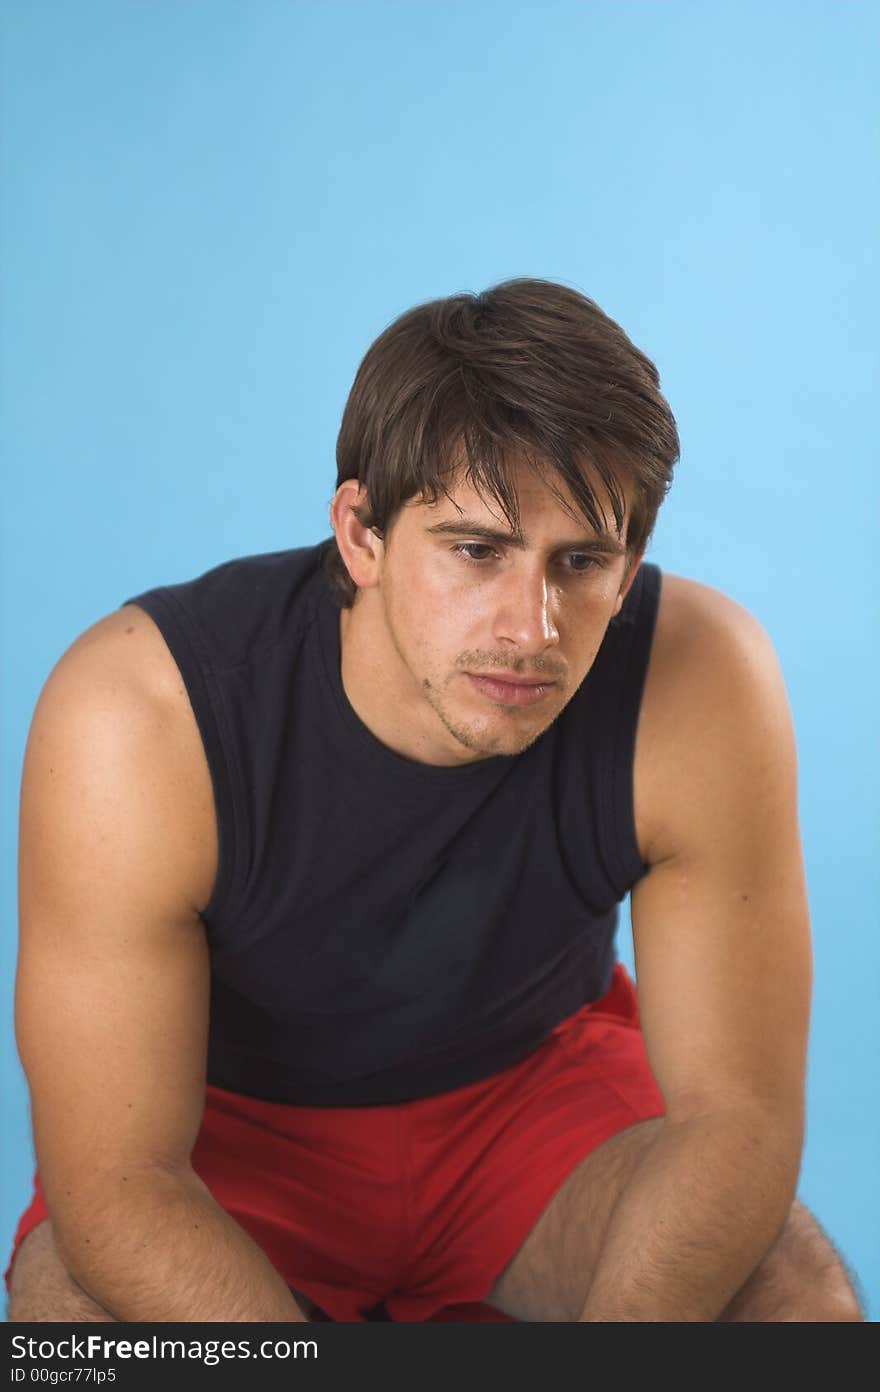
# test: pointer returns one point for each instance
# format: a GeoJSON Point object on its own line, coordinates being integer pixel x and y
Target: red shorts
{"type": "Point", "coordinates": [419, 1205]}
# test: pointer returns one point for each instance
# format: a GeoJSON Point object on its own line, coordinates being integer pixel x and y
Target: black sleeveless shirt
{"type": "Point", "coordinates": [381, 929]}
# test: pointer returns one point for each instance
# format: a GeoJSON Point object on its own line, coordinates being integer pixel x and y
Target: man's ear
{"type": "Point", "coordinates": [359, 546]}
{"type": "Point", "coordinates": [633, 562]}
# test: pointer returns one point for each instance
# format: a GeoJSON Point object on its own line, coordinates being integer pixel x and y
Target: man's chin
{"type": "Point", "coordinates": [490, 739]}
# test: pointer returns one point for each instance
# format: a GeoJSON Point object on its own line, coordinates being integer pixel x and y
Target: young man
{"type": "Point", "coordinates": [320, 862]}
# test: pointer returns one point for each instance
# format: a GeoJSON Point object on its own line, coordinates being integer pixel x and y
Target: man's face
{"type": "Point", "coordinates": [494, 632]}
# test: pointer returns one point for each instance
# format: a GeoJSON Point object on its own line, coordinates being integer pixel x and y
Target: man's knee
{"type": "Point", "coordinates": [40, 1289]}
{"type": "Point", "coordinates": [802, 1279]}
{"type": "Point", "coordinates": [828, 1292]}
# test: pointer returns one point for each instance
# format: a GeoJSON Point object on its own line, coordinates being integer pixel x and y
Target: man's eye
{"type": "Point", "coordinates": [474, 550]}
{"type": "Point", "coordinates": [580, 562]}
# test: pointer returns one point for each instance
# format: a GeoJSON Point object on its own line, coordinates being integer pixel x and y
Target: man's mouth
{"type": "Point", "coordinates": [510, 690]}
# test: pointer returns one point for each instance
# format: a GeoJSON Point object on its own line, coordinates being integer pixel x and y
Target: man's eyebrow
{"type": "Point", "coordinates": [461, 527]}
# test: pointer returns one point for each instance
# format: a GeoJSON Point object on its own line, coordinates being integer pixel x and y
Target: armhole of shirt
{"type": "Point", "coordinates": [186, 646]}
{"type": "Point", "coordinates": [634, 637]}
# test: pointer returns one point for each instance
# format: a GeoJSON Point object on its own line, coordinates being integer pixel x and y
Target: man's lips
{"type": "Point", "coordinates": [510, 690]}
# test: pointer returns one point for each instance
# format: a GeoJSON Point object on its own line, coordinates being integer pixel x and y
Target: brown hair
{"type": "Point", "coordinates": [528, 368]}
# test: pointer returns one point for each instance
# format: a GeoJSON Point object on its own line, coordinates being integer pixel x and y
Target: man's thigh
{"type": "Point", "coordinates": [548, 1277]}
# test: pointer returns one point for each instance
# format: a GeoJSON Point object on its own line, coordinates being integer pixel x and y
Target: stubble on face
{"type": "Point", "coordinates": [473, 736]}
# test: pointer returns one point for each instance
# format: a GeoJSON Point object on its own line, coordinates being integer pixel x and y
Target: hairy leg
{"type": "Point", "coordinates": [547, 1279]}
{"type": "Point", "coordinates": [800, 1279]}
{"type": "Point", "coordinates": [41, 1290]}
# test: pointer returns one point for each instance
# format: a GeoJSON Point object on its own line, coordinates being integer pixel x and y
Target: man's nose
{"type": "Point", "coordinates": [525, 614]}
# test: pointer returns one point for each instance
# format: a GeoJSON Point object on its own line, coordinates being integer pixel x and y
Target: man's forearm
{"type": "Point", "coordinates": [698, 1214]}
{"type": "Point", "coordinates": [158, 1247]}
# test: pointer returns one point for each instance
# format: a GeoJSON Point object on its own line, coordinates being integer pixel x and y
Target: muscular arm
{"type": "Point", "coordinates": [722, 952]}
{"type": "Point", "coordinates": [117, 854]}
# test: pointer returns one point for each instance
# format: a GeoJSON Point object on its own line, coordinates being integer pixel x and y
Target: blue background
{"type": "Point", "coordinates": [211, 208]}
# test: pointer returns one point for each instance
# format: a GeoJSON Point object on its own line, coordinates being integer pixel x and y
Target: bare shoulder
{"type": "Point", "coordinates": [714, 712]}
{"type": "Point", "coordinates": [696, 618]}
{"type": "Point", "coordinates": [123, 650]}
{"type": "Point", "coordinates": [113, 727]}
